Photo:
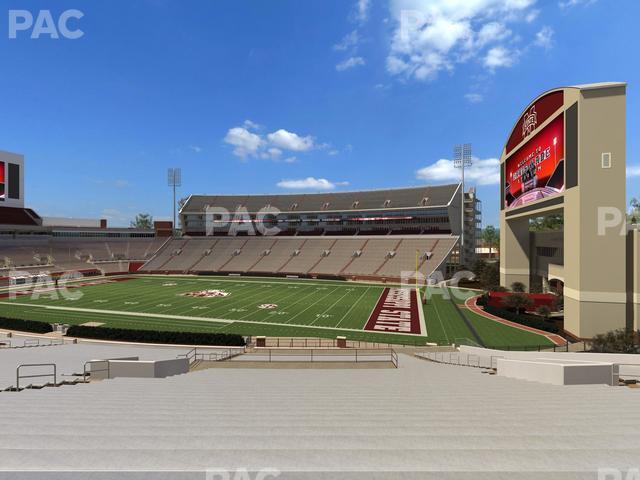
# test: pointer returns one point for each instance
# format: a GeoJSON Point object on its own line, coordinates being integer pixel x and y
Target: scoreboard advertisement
{"type": "Point", "coordinates": [536, 170]}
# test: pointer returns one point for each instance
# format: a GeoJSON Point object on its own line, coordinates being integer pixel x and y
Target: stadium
{"type": "Point", "coordinates": [332, 269]}
{"type": "Point", "coordinates": [333, 335]}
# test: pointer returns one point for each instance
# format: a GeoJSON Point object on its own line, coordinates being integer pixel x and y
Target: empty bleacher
{"type": "Point", "coordinates": [340, 254]}
{"type": "Point", "coordinates": [280, 253]}
{"type": "Point", "coordinates": [250, 254]}
{"type": "Point", "coordinates": [61, 253]}
{"type": "Point", "coordinates": [424, 196]}
{"type": "Point", "coordinates": [420, 421]}
{"type": "Point", "coordinates": [358, 256]}
{"type": "Point", "coordinates": [310, 253]}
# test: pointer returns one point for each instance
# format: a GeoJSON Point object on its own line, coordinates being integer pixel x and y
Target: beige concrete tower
{"type": "Point", "coordinates": [566, 154]}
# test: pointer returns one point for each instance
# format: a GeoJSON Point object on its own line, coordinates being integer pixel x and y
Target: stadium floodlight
{"type": "Point", "coordinates": [174, 179]}
{"type": "Point", "coordinates": [461, 160]}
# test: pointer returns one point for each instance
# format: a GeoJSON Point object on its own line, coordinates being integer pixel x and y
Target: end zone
{"type": "Point", "coordinates": [397, 311]}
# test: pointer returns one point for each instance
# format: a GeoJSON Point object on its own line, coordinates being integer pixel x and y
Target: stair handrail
{"type": "Point", "coordinates": [54, 374]}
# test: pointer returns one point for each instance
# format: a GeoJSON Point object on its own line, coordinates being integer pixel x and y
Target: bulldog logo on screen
{"type": "Point", "coordinates": [529, 122]}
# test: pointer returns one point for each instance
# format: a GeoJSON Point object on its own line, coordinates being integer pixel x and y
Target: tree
{"type": "Point", "coordinates": [518, 287]}
{"type": "Point", "coordinates": [490, 276]}
{"type": "Point", "coordinates": [490, 237]}
{"type": "Point", "coordinates": [478, 267]}
{"type": "Point", "coordinates": [615, 341]}
{"type": "Point", "coordinates": [548, 223]}
{"type": "Point", "coordinates": [544, 311]}
{"type": "Point", "coordinates": [143, 220]}
{"type": "Point", "coordinates": [558, 303]}
{"type": "Point", "coordinates": [517, 302]}
{"type": "Point", "coordinates": [634, 212]}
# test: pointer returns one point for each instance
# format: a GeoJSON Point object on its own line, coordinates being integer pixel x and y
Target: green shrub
{"type": "Point", "coordinates": [616, 341]}
{"type": "Point", "coordinates": [153, 336]}
{"type": "Point", "coordinates": [25, 325]}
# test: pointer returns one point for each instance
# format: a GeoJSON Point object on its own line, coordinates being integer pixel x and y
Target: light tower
{"type": "Point", "coordinates": [174, 179]}
{"type": "Point", "coordinates": [462, 159]}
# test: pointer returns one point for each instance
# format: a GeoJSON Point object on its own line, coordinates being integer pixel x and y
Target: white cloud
{"type": "Point", "coordinates": [349, 41]}
{"type": "Point", "coordinates": [195, 148]}
{"type": "Point", "coordinates": [291, 159]}
{"type": "Point", "coordinates": [499, 57]}
{"type": "Point", "coordinates": [310, 183]}
{"type": "Point", "coordinates": [491, 32]}
{"type": "Point", "coordinates": [474, 97]}
{"type": "Point", "coordinates": [272, 146]}
{"type": "Point", "coordinates": [350, 62]}
{"type": "Point", "coordinates": [531, 16]}
{"type": "Point", "coordinates": [544, 38]}
{"type": "Point", "coordinates": [272, 153]}
{"type": "Point", "coordinates": [574, 3]}
{"type": "Point", "coordinates": [249, 125]}
{"type": "Point", "coordinates": [633, 171]}
{"type": "Point", "coordinates": [482, 172]}
{"type": "Point", "coordinates": [432, 36]}
{"type": "Point", "coordinates": [290, 141]}
{"type": "Point", "coordinates": [245, 142]}
{"type": "Point", "coordinates": [362, 10]}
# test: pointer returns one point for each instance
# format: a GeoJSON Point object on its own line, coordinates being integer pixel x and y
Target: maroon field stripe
{"type": "Point", "coordinates": [395, 312]}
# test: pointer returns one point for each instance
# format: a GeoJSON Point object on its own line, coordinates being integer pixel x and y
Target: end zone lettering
{"type": "Point", "coordinates": [395, 312]}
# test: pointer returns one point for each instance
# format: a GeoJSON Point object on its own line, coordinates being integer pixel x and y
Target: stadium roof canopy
{"type": "Point", "coordinates": [393, 198]}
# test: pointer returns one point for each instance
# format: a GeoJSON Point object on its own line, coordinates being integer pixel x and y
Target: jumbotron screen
{"type": "Point", "coordinates": [2, 182]}
{"type": "Point", "coordinates": [536, 170]}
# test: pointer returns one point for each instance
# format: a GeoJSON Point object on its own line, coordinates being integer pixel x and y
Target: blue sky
{"type": "Point", "coordinates": [287, 95]}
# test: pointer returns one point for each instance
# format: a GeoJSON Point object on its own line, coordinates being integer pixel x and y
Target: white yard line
{"type": "Point", "coordinates": [329, 309]}
{"type": "Point", "coordinates": [358, 301]}
{"type": "Point", "coordinates": [314, 303]}
{"type": "Point", "coordinates": [181, 317]}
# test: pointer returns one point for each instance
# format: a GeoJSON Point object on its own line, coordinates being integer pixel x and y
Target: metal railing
{"type": "Point", "coordinates": [394, 358]}
{"type": "Point", "coordinates": [292, 342]}
{"type": "Point", "coordinates": [462, 359]}
{"type": "Point", "coordinates": [54, 374]}
{"type": "Point", "coordinates": [194, 355]}
{"type": "Point", "coordinates": [315, 355]}
{"type": "Point", "coordinates": [32, 342]}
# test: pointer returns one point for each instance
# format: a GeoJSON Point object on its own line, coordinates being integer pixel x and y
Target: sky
{"type": "Point", "coordinates": [288, 95]}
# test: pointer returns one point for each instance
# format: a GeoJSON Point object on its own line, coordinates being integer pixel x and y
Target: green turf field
{"type": "Point", "coordinates": [303, 308]}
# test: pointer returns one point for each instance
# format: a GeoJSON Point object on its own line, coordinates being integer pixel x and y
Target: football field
{"type": "Point", "coordinates": [260, 306]}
